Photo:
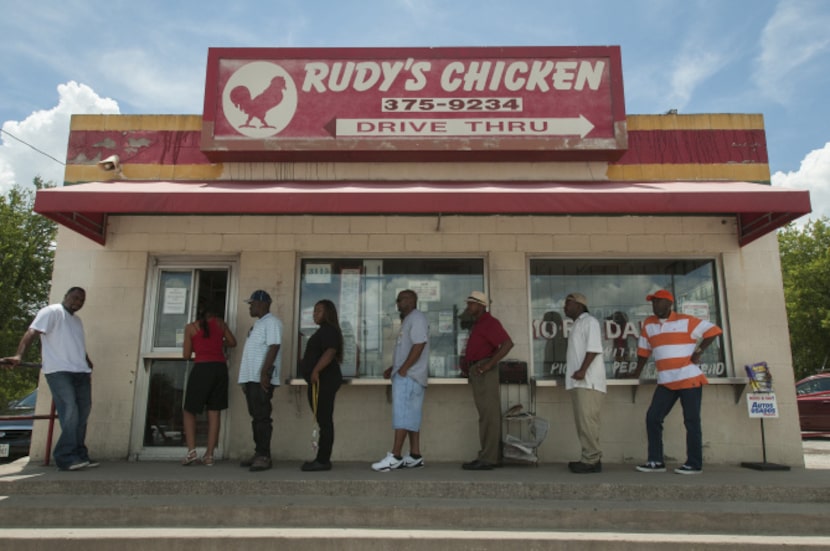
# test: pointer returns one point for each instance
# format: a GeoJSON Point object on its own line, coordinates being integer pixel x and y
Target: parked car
{"type": "Point", "coordinates": [16, 435]}
{"type": "Point", "coordinates": [813, 397]}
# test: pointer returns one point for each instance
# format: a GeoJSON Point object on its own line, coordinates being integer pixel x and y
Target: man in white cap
{"type": "Point", "coordinates": [487, 345]}
{"type": "Point", "coordinates": [585, 381]}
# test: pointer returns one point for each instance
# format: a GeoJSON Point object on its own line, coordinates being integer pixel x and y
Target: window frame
{"type": "Point", "coordinates": [296, 377]}
{"type": "Point", "coordinates": [730, 368]}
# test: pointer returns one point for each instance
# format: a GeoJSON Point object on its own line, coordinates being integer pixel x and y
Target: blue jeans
{"type": "Point", "coordinates": [72, 394]}
{"type": "Point", "coordinates": [661, 404]}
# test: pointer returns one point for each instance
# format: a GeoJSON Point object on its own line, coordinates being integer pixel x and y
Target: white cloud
{"type": "Point", "coordinates": [692, 68]}
{"type": "Point", "coordinates": [794, 44]}
{"type": "Point", "coordinates": [48, 131]}
{"type": "Point", "coordinates": [813, 175]}
{"type": "Point", "coordinates": [154, 86]}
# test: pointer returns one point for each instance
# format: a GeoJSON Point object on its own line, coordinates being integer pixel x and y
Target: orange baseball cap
{"type": "Point", "coordinates": [662, 293]}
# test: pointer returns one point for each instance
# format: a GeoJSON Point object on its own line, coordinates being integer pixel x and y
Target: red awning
{"type": "Point", "coordinates": [759, 208]}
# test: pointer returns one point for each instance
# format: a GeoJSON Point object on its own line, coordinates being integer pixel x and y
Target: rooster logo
{"type": "Point", "coordinates": [257, 107]}
{"type": "Point", "coordinates": [260, 99]}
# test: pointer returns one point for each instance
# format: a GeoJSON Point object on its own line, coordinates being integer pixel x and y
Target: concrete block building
{"type": "Point", "coordinates": [351, 174]}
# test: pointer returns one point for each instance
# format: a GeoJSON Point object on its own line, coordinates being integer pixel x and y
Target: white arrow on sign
{"type": "Point", "coordinates": [411, 127]}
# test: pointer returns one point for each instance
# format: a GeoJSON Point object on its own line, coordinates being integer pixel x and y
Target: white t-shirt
{"type": "Point", "coordinates": [585, 337]}
{"type": "Point", "coordinates": [266, 331]}
{"type": "Point", "coordinates": [62, 340]}
{"type": "Point", "coordinates": [414, 330]}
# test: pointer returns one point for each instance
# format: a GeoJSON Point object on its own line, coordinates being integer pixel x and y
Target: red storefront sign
{"type": "Point", "coordinates": [414, 103]}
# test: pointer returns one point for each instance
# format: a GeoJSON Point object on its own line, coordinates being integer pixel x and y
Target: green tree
{"type": "Point", "coordinates": [27, 250]}
{"type": "Point", "coordinates": [805, 266]}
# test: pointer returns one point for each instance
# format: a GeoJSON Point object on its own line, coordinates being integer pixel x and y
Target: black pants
{"type": "Point", "coordinates": [330, 381]}
{"type": "Point", "coordinates": [259, 408]}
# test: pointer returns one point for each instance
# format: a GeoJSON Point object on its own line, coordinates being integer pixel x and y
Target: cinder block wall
{"type": "Point", "coordinates": [268, 249]}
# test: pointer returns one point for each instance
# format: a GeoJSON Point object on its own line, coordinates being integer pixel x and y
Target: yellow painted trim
{"type": "Point", "coordinates": [719, 121]}
{"type": "Point", "coordinates": [91, 173]}
{"type": "Point", "coordinates": [136, 122]}
{"type": "Point", "coordinates": [735, 171]}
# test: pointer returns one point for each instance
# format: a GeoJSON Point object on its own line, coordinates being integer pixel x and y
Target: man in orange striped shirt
{"type": "Point", "coordinates": [677, 342]}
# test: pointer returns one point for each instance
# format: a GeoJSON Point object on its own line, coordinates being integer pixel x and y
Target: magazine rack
{"type": "Point", "coordinates": [760, 381]}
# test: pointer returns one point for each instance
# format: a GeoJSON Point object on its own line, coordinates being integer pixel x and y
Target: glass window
{"type": "Point", "coordinates": [364, 291]}
{"type": "Point", "coordinates": [616, 292]}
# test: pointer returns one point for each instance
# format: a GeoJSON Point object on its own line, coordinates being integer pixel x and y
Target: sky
{"type": "Point", "coordinates": [64, 57]}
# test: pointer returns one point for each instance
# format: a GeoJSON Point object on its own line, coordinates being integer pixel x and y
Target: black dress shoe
{"type": "Point", "coordinates": [478, 465]}
{"type": "Point", "coordinates": [315, 465]}
{"type": "Point", "coordinates": [583, 468]}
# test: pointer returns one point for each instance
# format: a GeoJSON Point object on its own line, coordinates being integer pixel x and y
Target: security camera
{"type": "Point", "coordinates": [111, 163]}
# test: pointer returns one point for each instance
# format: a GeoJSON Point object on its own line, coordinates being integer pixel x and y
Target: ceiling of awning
{"type": "Point", "coordinates": [759, 208]}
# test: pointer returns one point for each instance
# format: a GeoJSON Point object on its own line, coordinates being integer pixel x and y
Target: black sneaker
{"type": "Point", "coordinates": [687, 469]}
{"type": "Point", "coordinates": [584, 468]}
{"type": "Point", "coordinates": [652, 467]}
{"type": "Point", "coordinates": [313, 466]}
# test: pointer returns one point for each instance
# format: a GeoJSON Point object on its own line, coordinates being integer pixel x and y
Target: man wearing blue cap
{"type": "Point", "coordinates": [259, 373]}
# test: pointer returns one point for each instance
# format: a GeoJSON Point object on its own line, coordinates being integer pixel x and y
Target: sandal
{"type": "Point", "coordinates": [207, 460]}
{"type": "Point", "coordinates": [190, 458]}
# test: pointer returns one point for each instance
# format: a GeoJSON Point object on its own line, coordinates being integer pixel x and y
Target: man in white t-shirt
{"type": "Point", "coordinates": [67, 370]}
{"type": "Point", "coordinates": [259, 373]}
{"type": "Point", "coordinates": [585, 381]}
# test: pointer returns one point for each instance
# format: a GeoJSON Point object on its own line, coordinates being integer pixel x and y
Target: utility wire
{"type": "Point", "coordinates": [33, 147]}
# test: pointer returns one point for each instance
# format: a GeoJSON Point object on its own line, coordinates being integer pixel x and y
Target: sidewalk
{"type": "Point", "coordinates": [729, 481]}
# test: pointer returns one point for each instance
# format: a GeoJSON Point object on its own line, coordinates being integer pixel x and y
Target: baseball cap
{"type": "Point", "coordinates": [259, 296]}
{"type": "Point", "coordinates": [478, 297]}
{"type": "Point", "coordinates": [578, 297]}
{"type": "Point", "coordinates": [662, 293]}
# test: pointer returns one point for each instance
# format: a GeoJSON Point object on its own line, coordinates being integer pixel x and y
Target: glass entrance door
{"type": "Point", "coordinates": [178, 296]}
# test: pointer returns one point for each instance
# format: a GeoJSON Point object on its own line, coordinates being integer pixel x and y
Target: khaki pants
{"type": "Point", "coordinates": [488, 403]}
{"type": "Point", "coordinates": [587, 404]}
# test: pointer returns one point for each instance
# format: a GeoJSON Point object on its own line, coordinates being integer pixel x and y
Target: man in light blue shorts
{"type": "Point", "coordinates": [409, 372]}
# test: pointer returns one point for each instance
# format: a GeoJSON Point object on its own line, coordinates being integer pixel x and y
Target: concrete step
{"type": "Point", "coordinates": [543, 507]}
{"type": "Point", "coordinates": [322, 539]}
{"type": "Point", "coordinates": [429, 513]}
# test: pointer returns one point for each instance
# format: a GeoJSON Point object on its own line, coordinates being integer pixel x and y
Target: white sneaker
{"type": "Point", "coordinates": [410, 462]}
{"type": "Point", "coordinates": [387, 464]}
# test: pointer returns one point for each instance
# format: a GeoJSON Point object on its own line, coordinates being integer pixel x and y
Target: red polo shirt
{"type": "Point", "coordinates": [487, 335]}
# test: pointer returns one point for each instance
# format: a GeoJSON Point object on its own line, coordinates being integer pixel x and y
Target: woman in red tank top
{"type": "Point", "coordinates": [207, 386]}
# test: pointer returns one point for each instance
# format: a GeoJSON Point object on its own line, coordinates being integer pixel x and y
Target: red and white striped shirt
{"type": "Point", "coordinates": [672, 341]}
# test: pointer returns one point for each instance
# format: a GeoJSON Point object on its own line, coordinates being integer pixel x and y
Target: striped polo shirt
{"type": "Point", "coordinates": [672, 342]}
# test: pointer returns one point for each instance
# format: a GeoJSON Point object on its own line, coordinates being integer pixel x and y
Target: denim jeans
{"type": "Point", "coordinates": [259, 408]}
{"type": "Point", "coordinates": [661, 404]}
{"type": "Point", "coordinates": [72, 393]}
